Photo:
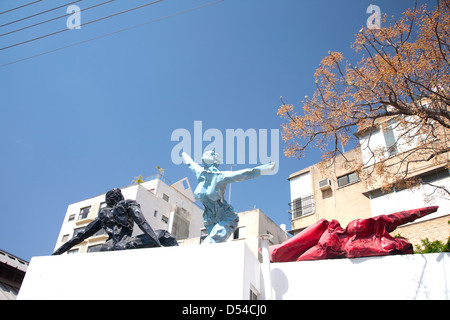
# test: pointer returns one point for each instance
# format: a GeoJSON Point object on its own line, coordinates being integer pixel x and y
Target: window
{"type": "Point", "coordinates": [203, 235]}
{"type": "Point", "coordinates": [84, 212]}
{"type": "Point", "coordinates": [399, 198]}
{"type": "Point", "coordinates": [239, 233]}
{"type": "Point", "coordinates": [165, 197]}
{"type": "Point", "coordinates": [384, 141]}
{"type": "Point", "coordinates": [165, 219]}
{"type": "Point", "coordinates": [77, 231]}
{"type": "Point", "coordinates": [99, 232]}
{"type": "Point", "coordinates": [72, 251]}
{"type": "Point", "coordinates": [347, 179]}
{"type": "Point", "coordinates": [71, 217]}
{"type": "Point", "coordinates": [391, 143]}
{"type": "Point", "coordinates": [94, 248]}
{"type": "Point", "coordinates": [155, 213]}
{"type": "Point", "coordinates": [302, 206]}
{"type": "Point", "coordinates": [65, 238]}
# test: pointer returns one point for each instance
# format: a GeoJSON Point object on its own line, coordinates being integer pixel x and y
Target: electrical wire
{"type": "Point", "coordinates": [84, 24]}
{"type": "Point", "coordinates": [38, 14]}
{"type": "Point", "coordinates": [20, 7]}
{"type": "Point", "coordinates": [56, 18]}
{"type": "Point", "coordinates": [111, 33]}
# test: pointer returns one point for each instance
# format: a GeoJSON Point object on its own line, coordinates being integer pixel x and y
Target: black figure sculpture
{"type": "Point", "coordinates": [117, 219]}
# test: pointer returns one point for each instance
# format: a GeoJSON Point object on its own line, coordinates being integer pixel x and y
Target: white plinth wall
{"type": "Point", "coordinates": [228, 271]}
{"type": "Point", "coordinates": [410, 277]}
{"type": "Point", "coordinates": [221, 271]}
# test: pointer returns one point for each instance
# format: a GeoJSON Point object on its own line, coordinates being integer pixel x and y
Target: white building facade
{"type": "Point", "coordinates": [388, 140]}
{"type": "Point", "coordinates": [167, 207]}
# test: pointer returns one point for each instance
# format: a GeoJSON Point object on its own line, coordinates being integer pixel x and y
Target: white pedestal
{"type": "Point", "coordinates": [400, 277]}
{"type": "Point", "coordinates": [221, 271]}
{"type": "Point", "coordinates": [228, 271]}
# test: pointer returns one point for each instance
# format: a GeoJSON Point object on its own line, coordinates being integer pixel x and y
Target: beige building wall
{"type": "Point", "coordinates": [252, 224]}
{"type": "Point", "coordinates": [345, 203]}
{"type": "Point", "coordinates": [353, 201]}
{"type": "Point", "coordinates": [434, 229]}
{"type": "Point", "coordinates": [257, 223]}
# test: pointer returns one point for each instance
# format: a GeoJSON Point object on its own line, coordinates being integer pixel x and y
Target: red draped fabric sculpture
{"type": "Point", "coordinates": [361, 238]}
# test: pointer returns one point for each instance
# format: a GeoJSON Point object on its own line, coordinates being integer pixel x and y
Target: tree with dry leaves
{"type": "Point", "coordinates": [400, 86]}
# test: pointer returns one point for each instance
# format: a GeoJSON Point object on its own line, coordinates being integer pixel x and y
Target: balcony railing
{"type": "Point", "coordinates": [302, 206]}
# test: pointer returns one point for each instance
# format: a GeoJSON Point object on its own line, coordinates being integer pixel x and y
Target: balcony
{"type": "Point", "coordinates": [302, 206]}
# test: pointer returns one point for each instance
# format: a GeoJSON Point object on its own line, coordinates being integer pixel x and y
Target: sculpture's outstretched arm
{"type": "Point", "coordinates": [195, 167]}
{"type": "Point", "coordinates": [244, 174]}
{"type": "Point", "coordinates": [134, 210]}
{"type": "Point", "coordinates": [90, 230]}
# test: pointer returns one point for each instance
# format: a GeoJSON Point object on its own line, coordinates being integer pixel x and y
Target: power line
{"type": "Point", "coordinates": [56, 18]}
{"type": "Point", "coordinates": [20, 7]}
{"type": "Point", "coordinates": [111, 33]}
{"type": "Point", "coordinates": [84, 24]}
{"type": "Point", "coordinates": [37, 14]}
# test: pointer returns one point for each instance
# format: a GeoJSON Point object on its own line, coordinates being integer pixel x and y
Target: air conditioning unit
{"type": "Point", "coordinates": [325, 184]}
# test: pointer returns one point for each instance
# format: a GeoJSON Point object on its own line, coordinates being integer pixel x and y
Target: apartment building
{"type": "Point", "coordinates": [12, 273]}
{"type": "Point", "coordinates": [169, 207]}
{"type": "Point", "coordinates": [340, 193]}
{"type": "Point", "coordinates": [252, 224]}
{"type": "Point", "coordinates": [165, 206]}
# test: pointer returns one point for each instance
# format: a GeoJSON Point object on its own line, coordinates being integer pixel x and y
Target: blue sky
{"type": "Point", "coordinates": [79, 121]}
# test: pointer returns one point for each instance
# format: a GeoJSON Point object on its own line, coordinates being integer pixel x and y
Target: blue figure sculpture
{"type": "Point", "coordinates": [220, 218]}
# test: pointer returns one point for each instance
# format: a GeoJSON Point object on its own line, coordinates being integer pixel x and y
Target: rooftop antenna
{"type": "Point", "coordinates": [160, 171]}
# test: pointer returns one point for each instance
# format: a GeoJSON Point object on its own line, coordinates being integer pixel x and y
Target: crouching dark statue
{"type": "Point", "coordinates": [118, 219]}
